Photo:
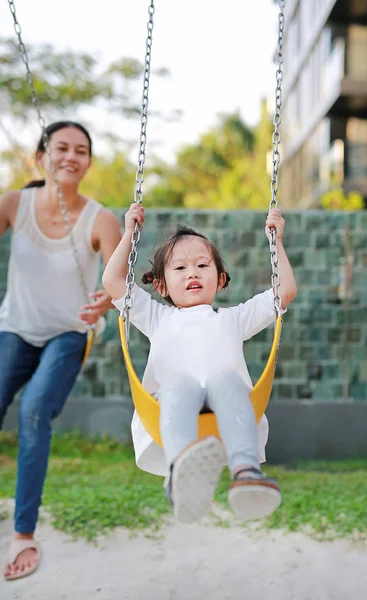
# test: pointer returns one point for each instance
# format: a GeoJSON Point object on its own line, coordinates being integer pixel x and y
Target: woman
{"type": "Point", "coordinates": [45, 312]}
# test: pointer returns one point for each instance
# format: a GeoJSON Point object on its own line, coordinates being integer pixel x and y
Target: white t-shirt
{"type": "Point", "coordinates": [197, 340]}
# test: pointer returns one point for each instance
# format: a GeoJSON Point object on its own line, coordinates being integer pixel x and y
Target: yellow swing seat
{"type": "Point", "coordinates": [147, 407]}
{"type": "Point", "coordinates": [89, 344]}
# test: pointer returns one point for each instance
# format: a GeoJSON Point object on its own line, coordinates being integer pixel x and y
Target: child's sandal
{"type": "Point", "coordinates": [253, 495]}
{"type": "Point", "coordinates": [194, 477]}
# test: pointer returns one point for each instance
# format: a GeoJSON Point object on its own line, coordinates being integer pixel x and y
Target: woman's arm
{"type": "Point", "coordinates": [288, 286]}
{"type": "Point", "coordinates": [107, 234]}
{"type": "Point", "coordinates": [9, 203]}
{"type": "Point", "coordinates": [105, 237]}
{"type": "Point", "coordinates": [114, 276]}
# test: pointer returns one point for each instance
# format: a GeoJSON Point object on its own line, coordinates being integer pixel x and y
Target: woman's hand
{"type": "Point", "coordinates": [135, 214]}
{"type": "Point", "coordinates": [90, 313]}
{"type": "Point", "coordinates": [275, 221]}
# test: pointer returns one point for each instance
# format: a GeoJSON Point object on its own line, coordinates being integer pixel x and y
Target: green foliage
{"type": "Point", "coordinates": [225, 170]}
{"type": "Point", "coordinates": [22, 168]}
{"type": "Point", "coordinates": [110, 182]}
{"type": "Point", "coordinates": [94, 486]}
{"type": "Point", "coordinates": [62, 79]}
{"type": "Point", "coordinates": [337, 199]}
{"type": "Point", "coordinates": [64, 82]}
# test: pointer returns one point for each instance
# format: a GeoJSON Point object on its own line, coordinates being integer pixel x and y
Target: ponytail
{"type": "Point", "coordinates": [148, 277]}
{"type": "Point", "coordinates": [35, 183]}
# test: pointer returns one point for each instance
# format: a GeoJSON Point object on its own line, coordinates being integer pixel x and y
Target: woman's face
{"type": "Point", "coordinates": [70, 153]}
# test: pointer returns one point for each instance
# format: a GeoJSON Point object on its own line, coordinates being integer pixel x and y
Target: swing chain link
{"type": "Point", "coordinates": [46, 143]}
{"type": "Point", "coordinates": [275, 277]}
{"type": "Point", "coordinates": [139, 179]}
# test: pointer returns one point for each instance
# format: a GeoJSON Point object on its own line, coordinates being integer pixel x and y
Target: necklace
{"type": "Point", "coordinates": [57, 218]}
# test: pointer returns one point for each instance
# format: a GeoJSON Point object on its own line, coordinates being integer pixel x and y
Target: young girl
{"type": "Point", "coordinates": [196, 361]}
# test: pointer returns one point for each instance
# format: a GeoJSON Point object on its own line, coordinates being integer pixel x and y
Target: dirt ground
{"type": "Point", "coordinates": [190, 562]}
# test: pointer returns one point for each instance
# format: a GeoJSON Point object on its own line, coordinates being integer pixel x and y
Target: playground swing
{"type": "Point", "coordinates": [46, 141]}
{"type": "Point", "coordinates": [146, 406]}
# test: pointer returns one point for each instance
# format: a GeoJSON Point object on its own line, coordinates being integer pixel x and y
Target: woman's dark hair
{"type": "Point", "coordinates": [164, 253]}
{"type": "Point", "coordinates": [50, 129]}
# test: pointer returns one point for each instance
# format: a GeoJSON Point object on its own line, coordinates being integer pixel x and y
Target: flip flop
{"type": "Point", "coordinates": [194, 478]}
{"type": "Point", "coordinates": [16, 548]}
{"type": "Point", "coordinates": [253, 495]}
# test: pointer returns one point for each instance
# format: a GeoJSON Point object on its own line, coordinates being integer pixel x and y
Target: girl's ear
{"type": "Point", "coordinates": [160, 287]}
{"type": "Point", "coordinates": [221, 281]}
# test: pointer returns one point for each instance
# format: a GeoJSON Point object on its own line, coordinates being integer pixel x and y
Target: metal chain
{"type": "Point", "coordinates": [275, 277]}
{"type": "Point", "coordinates": [138, 194]}
{"type": "Point", "coordinates": [46, 143]}
{"type": "Point", "coordinates": [139, 179]}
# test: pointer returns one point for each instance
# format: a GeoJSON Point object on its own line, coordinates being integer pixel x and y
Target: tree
{"type": "Point", "coordinates": [65, 82]}
{"type": "Point", "coordinates": [337, 199]}
{"type": "Point", "coordinates": [226, 169]}
{"type": "Point", "coordinates": [111, 182]}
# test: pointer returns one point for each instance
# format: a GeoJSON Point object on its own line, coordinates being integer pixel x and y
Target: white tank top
{"type": "Point", "coordinates": [44, 292]}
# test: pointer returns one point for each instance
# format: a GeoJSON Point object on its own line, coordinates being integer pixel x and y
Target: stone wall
{"type": "Point", "coordinates": [323, 353]}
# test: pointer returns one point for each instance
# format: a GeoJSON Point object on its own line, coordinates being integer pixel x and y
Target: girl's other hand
{"type": "Point", "coordinates": [275, 221]}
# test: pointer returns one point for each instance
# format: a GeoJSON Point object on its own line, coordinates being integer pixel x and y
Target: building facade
{"type": "Point", "coordinates": [324, 125]}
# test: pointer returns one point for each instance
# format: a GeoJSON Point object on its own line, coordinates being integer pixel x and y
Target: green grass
{"type": "Point", "coordinates": [93, 486]}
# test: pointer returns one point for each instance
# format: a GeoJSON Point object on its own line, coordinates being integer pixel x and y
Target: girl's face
{"type": "Point", "coordinates": [70, 153]}
{"type": "Point", "coordinates": [191, 275]}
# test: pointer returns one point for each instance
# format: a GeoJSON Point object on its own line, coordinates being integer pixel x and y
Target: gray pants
{"type": "Point", "coordinates": [181, 399]}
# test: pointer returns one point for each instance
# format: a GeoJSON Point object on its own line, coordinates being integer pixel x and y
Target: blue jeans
{"type": "Point", "coordinates": [51, 372]}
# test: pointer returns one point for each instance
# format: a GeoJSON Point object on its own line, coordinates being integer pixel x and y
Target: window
{"type": "Point", "coordinates": [357, 50]}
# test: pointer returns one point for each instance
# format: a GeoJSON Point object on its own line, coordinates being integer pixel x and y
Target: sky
{"type": "Point", "coordinates": [219, 54]}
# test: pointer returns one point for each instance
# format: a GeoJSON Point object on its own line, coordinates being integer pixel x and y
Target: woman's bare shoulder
{"type": "Point", "coordinates": [9, 202]}
{"type": "Point", "coordinates": [10, 197]}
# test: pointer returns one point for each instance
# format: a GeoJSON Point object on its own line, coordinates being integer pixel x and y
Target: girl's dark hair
{"type": "Point", "coordinates": [50, 129]}
{"type": "Point", "coordinates": [164, 253]}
